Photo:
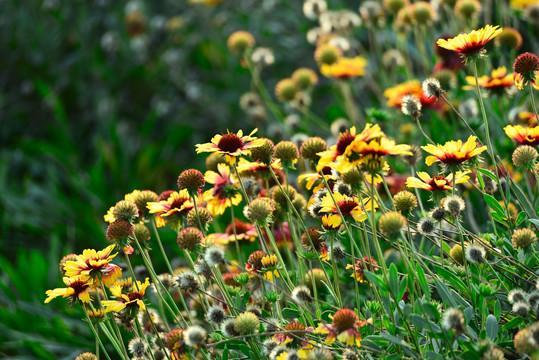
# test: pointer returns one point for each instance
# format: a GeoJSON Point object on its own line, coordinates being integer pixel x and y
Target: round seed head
{"type": "Point", "coordinates": [454, 205]}
{"type": "Point", "coordinates": [191, 180]}
{"type": "Point", "coordinates": [228, 328]}
{"type": "Point", "coordinates": [522, 238]}
{"type": "Point", "coordinates": [214, 255]}
{"type": "Point", "coordinates": [205, 217]}
{"type": "Point", "coordinates": [411, 106]}
{"type": "Point", "coordinates": [311, 147]}
{"type": "Point", "coordinates": [523, 342]}
{"type": "Point", "coordinates": [521, 308]}
{"type": "Point", "coordinates": [327, 54]}
{"type": "Point", "coordinates": [304, 78]}
{"type": "Point", "coordinates": [268, 345]}
{"type": "Point", "coordinates": [422, 12]}
{"type": "Point", "coordinates": [246, 323]}
{"type": "Point", "coordinates": [438, 214]}
{"type": "Point", "coordinates": [431, 87]}
{"type": "Point", "coordinates": [86, 356]}
{"type": "Point", "coordinates": [137, 347]}
{"type": "Point", "coordinates": [142, 198]}
{"type": "Point", "coordinates": [189, 238]}
{"type": "Point", "coordinates": [125, 210]}
{"type": "Point", "coordinates": [337, 253]}
{"type": "Point", "coordinates": [426, 227]}
{"type": "Point", "coordinates": [405, 202]}
{"type": "Point", "coordinates": [320, 354]}
{"type": "Point", "coordinates": [120, 230]}
{"type": "Point", "coordinates": [353, 177]}
{"type": "Point", "coordinates": [526, 64]}
{"type": "Point", "coordinates": [240, 41]}
{"type": "Point", "coordinates": [457, 254]}
{"type": "Point", "coordinates": [475, 254]}
{"type": "Point", "coordinates": [213, 160]}
{"type": "Point", "coordinates": [68, 257]}
{"type": "Point", "coordinates": [195, 335]}
{"type": "Point", "coordinates": [260, 210]}
{"type": "Point", "coordinates": [186, 281]}
{"type": "Point", "coordinates": [317, 275]}
{"type": "Point", "coordinates": [391, 223]}
{"type": "Point", "coordinates": [286, 90]}
{"type": "Point", "coordinates": [286, 151]}
{"type": "Point", "coordinates": [349, 354]}
{"type": "Point", "coordinates": [524, 156]}
{"type": "Point", "coordinates": [533, 299]}
{"type": "Point", "coordinates": [142, 233]}
{"type": "Point", "coordinates": [301, 294]}
{"type": "Point", "coordinates": [467, 9]}
{"type": "Point", "coordinates": [453, 319]}
{"type": "Point", "coordinates": [264, 153]}
{"type": "Point", "coordinates": [509, 38]}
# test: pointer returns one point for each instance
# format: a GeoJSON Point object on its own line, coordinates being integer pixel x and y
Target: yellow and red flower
{"type": "Point", "coordinates": [78, 288]}
{"type": "Point", "coordinates": [523, 135]}
{"type": "Point", "coordinates": [344, 327]}
{"type": "Point", "coordinates": [371, 154]}
{"type": "Point", "coordinates": [293, 331]}
{"type": "Point", "coordinates": [94, 265]}
{"type": "Point", "coordinates": [257, 169]}
{"type": "Point", "coordinates": [225, 191]}
{"type": "Point", "coordinates": [314, 182]}
{"type": "Point", "coordinates": [436, 183]}
{"type": "Point", "coordinates": [396, 93]}
{"type": "Point", "coordinates": [453, 152]}
{"type": "Point", "coordinates": [231, 145]}
{"type": "Point", "coordinates": [131, 300]}
{"type": "Point", "coordinates": [471, 43]}
{"type": "Point", "coordinates": [345, 68]}
{"type": "Point", "coordinates": [498, 81]}
{"type": "Point", "coordinates": [261, 263]}
{"type": "Point", "coordinates": [360, 266]}
{"type": "Point", "coordinates": [349, 206]}
{"type": "Point", "coordinates": [171, 210]}
{"type": "Point", "coordinates": [244, 231]}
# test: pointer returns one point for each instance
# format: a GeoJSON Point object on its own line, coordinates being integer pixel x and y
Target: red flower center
{"type": "Point", "coordinates": [347, 206]}
{"type": "Point", "coordinates": [230, 143]}
{"type": "Point", "coordinates": [241, 228]}
{"type": "Point", "coordinates": [344, 319]}
{"type": "Point", "coordinates": [343, 143]}
{"type": "Point", "coordinates": [432, 182]}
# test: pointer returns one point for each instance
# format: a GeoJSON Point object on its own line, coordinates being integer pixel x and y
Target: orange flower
{"type": "Point", "coordinates": [171, 210]}
{"type": "Point", "coordinates": [436, 183]}
{"type": "Point", "coordinates": [225, 191]}
{"type": "Point", "coordinates": [360, 266]}
{"type": "Point", "coordinates": [130, 300]}
{"type": "Point", "coordinates": [523, 135]}
{"type": "Point", "coordinates": [453, 152]}
{"type": "Point", "coordinates": [244, 231]}
{"type": "Point", "coordinates": [344, 327]}
{"type": "Point", "coordinates": [412, 87]}
{"type": "Point", "coordinates": [94, 265]}
{"type": "Point", "coordinates": [77, 289]}
{"type": "Point", "coordinates": [498, 81]}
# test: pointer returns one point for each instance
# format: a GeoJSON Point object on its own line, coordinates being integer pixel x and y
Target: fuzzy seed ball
{"type": "Point", "coordinates": [426, 227]}
{"type": "Point", "coordinates": [286, 90]}
{"type": "Point", "coordinates": [405, 202]}
{"type": "Point", "coordinates": [454, 205]}
{"type": "Point", "coordinates": [521, 308]}
{"type": "Point", "coordinates": [446, 78]}
{"type": "Point", "coordinates": [475, 254]}
{"type": "Point", "coordinates": [337, 253]}
{"type": "Point", "coordinates": [516, 295]}
{"type": "Point", "coordinates": [490, 185]}
{"type": "Point", "coordinates": [509, 38]}
{"type": "Point", "coordinates": [411, 106]}
{"type": "Point", "coordinates": [524, 156]}
{"type": "Point", "coordinates": [249, 101]}
{"type": "Point", "coordinates": [317, 275]}
{"type": "Point", "coordinates": [125, 210]}
{"type": "Point", "coordinates": [137, 347]}
{"type": "Point", "coordinates": [437, 214]}
{"type": "Point", "coordinates": [353, 177]}
{"type": "Point", "coordinates": [522, 238]}
{"type": "Point", "coordinates": [299, 203]}
{"type": "Point", "coordinates": [423, 12]}
{"type": "Point", "coordinates": [320, 354]}
{"type": "Point", "coordinates": [268, 345]}
{"type": "Point", "coordinates": [228, 328]}
{"type": "Point", "coordinates": [453, 319]}
{"type": "Point", "coordinates": [214, 255]}
{"type": "Point", "coordinates": [194, 335]}
{"type": "Point", "coordinates": [532, 13]}
{"type": "Point", "coordinates": [246, 323]}
{"type": "Point", "coordinates": [260, 210]}
{"type": "Point", "coordinates": [186, 281]}
{"type": "Point", "coordinates": [204, 215]}
{"type": "Point", "coordinates": [493, 354]}
{"type": "Point", "coordinates": [311, 147]}
{"type": "Point", "coordinates": [264, 153]}
{"type": "Point", "coordinates": [457, 254]}
{"type": "Point", "coordinates": [86, 356]}
{"type": "Point", "coordinates": [286, 151]}
{"type": "Point", "coordinates": [279, 196]}
{"type": "Point", "coordinates": [142, 198]}
{"type": "Point", "coordinates": [349, 354]}
{"type": "Point", "coordinates": [304, 78]}
{"type": "Point", "coordinates": [262, 57]}
{"type": "Point", "coordinates": [533, 299]}
{"type": "Point", "coordinates": [240, 41]}
{"type": "Point", "coordinates": [213, 160]}
{"type": "Point", "coordinates": [301, 294]}
{"type": "Point", "coordinates": [191, 180]}
{"type": "Point", "coordinates": [391, 223]}
{"type": "Point", "coordinates": [312, 238]}
{"type": "Point", "coordinates": [189, 238]}
{"type": "Point", "coordinates": [119, 230]}
{"type": "Point", "coordinates": [526, 64]}
{"type": "Point", "coordinates": [327, 54]}
{"type": "Point", "coordinates": [431, 87]}
{"type": "Point", "coordinates": [142, 233]}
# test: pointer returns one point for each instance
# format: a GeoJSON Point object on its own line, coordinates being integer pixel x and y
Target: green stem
{"type": "Point", "coordinates": [154, 226]}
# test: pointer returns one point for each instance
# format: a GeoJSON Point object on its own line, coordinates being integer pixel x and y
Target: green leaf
{"type": "Point", "coordinates": [395, 340]}
{"type": "Point", "coordinates": [499, 218]}
{"type": "Point", "coordinates": [487, 173]}
{"type": "Point", "coordinates": [492, 327]}
{"type": "Point", "coordinates": [394, 280]}
{"type": "Point", "coordinates": [375, 279]}
{"type": "Point", "coordinates": [422, 279]}
{"type": "Point", "coordinates": [494, 204]}
{"type": "Point", "coordinates": [513, 323]}
{"type": "Point", "coordinates": [443, 291]}
{"type": "Point", "coordinates": [520, 218]}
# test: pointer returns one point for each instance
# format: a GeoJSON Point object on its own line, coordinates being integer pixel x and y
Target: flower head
{"type": "Point", "coordinates": [130, 300]}
{"type": "Point", "coordinates": [366, 263]}
{"type": "Point", "coordinates": [453, 152]}
{"type": "Point", "coordinates": [345, 68]}
{"type": "Point", "coordinates": [172, 210]}
{"type": "Point", "coordinates": [242, 230]}
{"type": "Point", "coordinates": [348, 206]}
{"type": "Point", "coordinates": [225, 191]}
{"type": "Point", "coordinates": [523, 135]}
{"type": "Point", "coordinates": [436, 183]}
{"type": "Point", "coordinates": [95, 265]}
{"type": "Point", "coordinates": [526, 68]}
{"type": "Point", "coordinates": [471, 44]}
{"type": "Point", "coordinates": [344, 327]}
{"type": "Point", "coordinates": [498, 81]}
{"type": "Point", "coordinates": [231, 145]}
{"type": "Point", "coordinates": [78, 288]}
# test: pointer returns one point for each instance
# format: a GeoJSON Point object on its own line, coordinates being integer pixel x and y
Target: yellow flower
{"type": "Point", "coordinates": [524, 135]}
{"type": "Point", "coordinates": [370, 154]}
{"type": "Point", "coordinates": [171, 210]}
{"type": "Point", "coordinates": [471, 43]}
{"type": "Point", "coordinates": [231, 145]}
{"type": "Point", "coordinates": [453, 152]}
{"type": "Point", "coordinates": [130, 300]}
{"type": "Point", "coordinates": [77, 288]}
{"type": "Point", "coordinates": [348, 206]}
{"type": "Point", "coordinates": [498, 80]}
{"type": "Point", "coordinates": [436, 183]}
{"type": "Point", "coordinates": [521, 4]}
{"type": "Point", "coordinates": [344, 327]}
{"type": "Point", "coordinates": [225, 191]}
{"type": "Point", "coordinates": [345, 68]}
{"type": "Point", "coordinates": [95, 265]}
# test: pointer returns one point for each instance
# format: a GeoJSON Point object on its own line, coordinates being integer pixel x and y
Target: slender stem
{"type": "Point", "coordinates": [94, 331]}
{"type": "Point", "coordinates": [154, 226]}
{"type": "Point", "coordinates": [490, 149]}
{"type": "Point", "coordinates": [533, 100]}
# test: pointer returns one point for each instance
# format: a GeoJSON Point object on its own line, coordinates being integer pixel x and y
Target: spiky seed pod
{"type": "Point", "coordinates": [467, 10]}
{"type": "Point", "coordinates": [391, 223]}
{"type": "Point", "coordinates": [201, 268]}
{"type": "Point", "coordinates": [327, 54]}
{"type": "Point", "coordinates": [214, 255]}
{"type": "Point", "coordinates": [509, 38]}
{"type": "Point", "coordinates": [405, 202]}
{"type": "Point", "coordinates": [312, 238]}
{"type": "Point", "coordinates": [411, 106]}
{"type": "Point", "coordinates": [299, 203]}
{"type": "Point", "coordinates": [304, 78]}
{"type": "Point", "coordinates": [137, 347]}
{"type": "Point", "coordinates": [426, 227]}
{"type": "Point", "coordinates": [264, 153]}
{"type": "Point", "coordinates": [260, 210]}
{"type": "Point", "coordinates": [423, 13]}
{"type": "Point", "coordinates": [125, 210]}
{"type": "Point", "coordinates": [516, 295]}
{"type": "Point", "coordinates": [301, 294]}
{"type": "Point", "coordinates": [195, 336]}
{"type": "Point", "coordinates": [311, 147]}
{"type": "Point", "coordinates": [353, 177]}
{"type": "Point", "coordinates": [523, 343]}
{"type": "Point", "coordinates": [493, 354]}
{"type": "Point", "coordinates": [262, 57]}
{"type": "Point", "coordinates": [475, 254]}
{"type": "Point", "coordinates": [454, 205]}
{"type": "Point", "coordinates": [86, 356]}
{"type": "Point", "coordinates": [431, 87]}
{"type": "Point", "coordinates": [526, 65]}
{"type": "Point", "coordinates": [534, 335]}
{"type": "Point", "coordinates": [268, 345]}
{"type": "Point", "coordinates": [286, 90]}
{"type": "Point", "coordinates": [191, 180]}
{"type": "Point", "coordinates": [522, 238]}
{"type": "Point", "coordinates": [240, 41]}
{"type": "Point", "coordinates": [189, 238]}
{"type": "Point", "coordinates": [533, 299]}
{"type": "Point", "coordinates": [205, 217]}
{"type": "Point", "coordinates": [228, 328]}
{"type": "Point", "coordinates": [453, 319]}
{"type": "Point", "coordinates": [286, 151]}
{"type": "Point", "coordinates": [524, 156]}
{"type": "Point", "coordinates": [313, 8]}
{"type": "Point", "coordinates": [142, 198]}
{"type": "Point", "coordinates": [279, 196]}
{"type": "Point", "coordinates": [521, 308]}
{"type": "Point", "coordinates": [252, 308]}
{"type": "Point", "coordinates": [349, 354]}
{"type": "Point", "coordinates": [457, 253]}
{"type": "Point", "coordinates": [186, 281]}
{"type": "Point", "coordinates": [337, 252]}
{"type": "Point", "coordinates": [68, 257]}
{"type": "Point", "coordinates": [167, 280]}
{"type": "Point", "coordinates": [120, 230]}
{"type": "Point", "coordinates": [438, 214]}
{"type": "Point", "coordinates": [320, 354]}
{"type": "Point", "coordinates": [142, 233]}
{"type": "Point", "coordinates": [246, 323]}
